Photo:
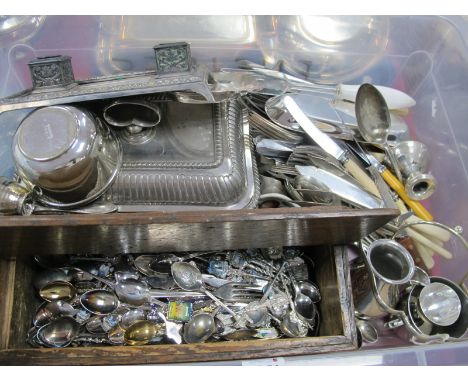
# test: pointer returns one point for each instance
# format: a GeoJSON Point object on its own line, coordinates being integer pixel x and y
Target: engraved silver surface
{"type": "Point", "coordinates": [172, 58]}
{"type": "Point", "coordinates": [52, 71]}
{"type": "Point", "coordinates": [111, 87]}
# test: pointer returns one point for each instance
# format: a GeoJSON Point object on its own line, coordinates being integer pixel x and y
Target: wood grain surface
{"type": "Point", "coordinates": [184, 231]}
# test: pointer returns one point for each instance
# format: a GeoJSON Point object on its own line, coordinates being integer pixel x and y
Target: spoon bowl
{"type": "Point", "coordinates": [258, 314]}
{"type": "Point", "coordinates": [99, 301]}
{"type": "Point", "coordinates": [374, 121]}
{"type": "Point", "coordinates": [50, 310]}
{"type": "Point", "coordinates": [372, 115]}
{"type": "Point", "coordinates": [292, 326]}
{"type": "Point", "coordinates": [141, 333]}
{"type": "Point", "coordinates": [305, 307]}
{"type": "Point", "coordinates": [57, 290]}
{"type": "Point", "coordinates": [131, 317]}
{"type": "Point", "coordinates": [310, 290]}
{"type": "Point", "coordinates": [187, 276]}
{"type": "Point", "coordinates": [133, 292]}
{"type": "Point", "coordinates": [200, 327]}
{"type": "Point", "coordinates": [47, 276]}
{"type": "Point", "coordinates": [59, 333]}
{"type": "Point", "coordinates": [116, 335]}
{"type": "Point", "coordinates": [367, 331]}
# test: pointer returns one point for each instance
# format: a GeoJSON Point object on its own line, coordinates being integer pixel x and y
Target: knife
{"type": "Point", "coordinates": [346, 189]}
{"type": "Point", "coordinates": [330, 146]}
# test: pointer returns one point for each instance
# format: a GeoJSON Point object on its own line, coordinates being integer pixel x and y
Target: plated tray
{"type": "Point", "coordinates": [199, 158]}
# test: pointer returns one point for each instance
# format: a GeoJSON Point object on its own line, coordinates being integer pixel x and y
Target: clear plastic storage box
{"type": "Point", "coordinates": [425, 56]}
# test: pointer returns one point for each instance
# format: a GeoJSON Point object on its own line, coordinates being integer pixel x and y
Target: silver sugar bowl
{"type": "Point", "coordinates": [58, 148]}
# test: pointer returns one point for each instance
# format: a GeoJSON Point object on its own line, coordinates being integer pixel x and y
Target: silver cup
{"type": "Point", "coordinates": [391, 266]}
{"type": "Point", "coordinates": [59, 148]}
{"type": "Point", "coordinates": [419, 323]}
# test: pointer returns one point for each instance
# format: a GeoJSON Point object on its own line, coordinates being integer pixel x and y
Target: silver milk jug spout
{"type": "Point", "coordinates": [378, 275]}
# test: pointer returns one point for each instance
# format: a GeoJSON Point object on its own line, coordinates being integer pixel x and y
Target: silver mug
{"type": "Point", "coordinates": [421, 329]}
{"type": "Point", "coordinates": [378, 276]}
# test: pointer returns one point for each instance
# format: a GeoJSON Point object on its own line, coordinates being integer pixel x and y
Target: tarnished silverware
{"type": "Point", "coordinates": [57, 290]}
{"type": "Point", "coordinates": [200, 327]}
{"type": "Point", "coordinates": [13, 198]}
{"type": "Point", "coordinates": [188, 277]}
{"type": "Point", "coordinates": [142, 332]}
{"type": "Point", "coordinates": [239, 292]}
{"type": "Point", "coordinates": [329, 145]}
{"type": "Point", "coordinates": [59, 333]}
{"type": "Point", "coordinates": [343, 186]}
{"type": "Point", "coordinates": [373, 119]}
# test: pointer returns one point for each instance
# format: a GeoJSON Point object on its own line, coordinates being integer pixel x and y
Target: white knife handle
{"type": "Point", "coordinates": [430, 230]}
{"type": "Point", "coordinates": [425, 254]}
{"type": "Point", "coordinates": [426, 229]}
{"type": "Point", "coordinates": [429, 244]}
{"type": "Point", "coordinates": [360, 175]}
{"type": "Point", "coordinates": [394, 98]}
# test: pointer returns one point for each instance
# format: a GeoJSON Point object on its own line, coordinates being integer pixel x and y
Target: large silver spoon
{"type": "Point", "coordinates": [395, 98]}
{"type": "Point", "coordinates": [374, 121]}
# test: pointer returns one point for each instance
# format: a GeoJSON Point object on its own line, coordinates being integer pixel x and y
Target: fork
{"type": "Point", "coordinates": [239, 292]}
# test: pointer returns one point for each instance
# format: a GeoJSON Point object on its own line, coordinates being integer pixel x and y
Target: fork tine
{"type": "Point", "coordinates": [245, 286]}
{"type": "Point", "coordinates": [244, 298]}
{"type": "Point", "coordinates": [249, 295]}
